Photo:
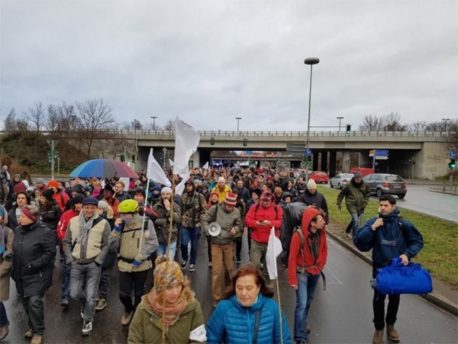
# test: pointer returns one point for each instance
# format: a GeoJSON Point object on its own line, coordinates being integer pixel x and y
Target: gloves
{"type": "Point", "coordinates": [118, 228]}
{"type": "Point", "coordinates": [136, 263]}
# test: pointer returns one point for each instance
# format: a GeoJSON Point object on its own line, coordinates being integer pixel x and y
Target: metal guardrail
{"type": "Point", "coordinates": [263, 133]}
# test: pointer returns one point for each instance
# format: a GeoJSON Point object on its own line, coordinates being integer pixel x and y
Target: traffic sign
{"type": "Point", "coordinates": [453, 154]}
{"type": "Point", "coordinates": [307, 152]}
{"type": "Point", "coordinates": [380, 154]}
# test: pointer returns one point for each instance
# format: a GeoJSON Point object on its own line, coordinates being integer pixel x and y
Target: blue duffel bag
{"type": "Point", "coordinates": [396, 278]}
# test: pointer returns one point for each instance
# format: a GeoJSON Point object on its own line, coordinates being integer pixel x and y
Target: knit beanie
{"type": "Point", "coordinates": [166, 189]}
{"type": "Point", "coordinates": [166, 272]}
{"type": "Point", "coordinates": [311, 184]}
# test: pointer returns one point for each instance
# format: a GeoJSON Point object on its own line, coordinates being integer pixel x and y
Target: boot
{"type": "Point", "coordinates": [392, 334]}
{"type": "Point", "coordinates": [36, 339]}
{"type": "Point", "coordinates": [4, 330]}
{"type": "Point", "coordinates": [378, 337]}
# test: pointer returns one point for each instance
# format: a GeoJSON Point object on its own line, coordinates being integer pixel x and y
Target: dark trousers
{"type": "Point", "coordinates": [3, 317]}
{"type": "Point", "coordinates": [131, 282]}
{"type": "Point", "coordinates": [238, 249]}
{"type": "Point", "coordinates": [104, 283]}
{"type": "Point", "coordinates": [378, 305]}
{"type": "Point", "coordinates": [209, 248]}
{"type": "Point", "coordinates": [33, 306]}
{"type": "Point", "coordinates": [66, 270]}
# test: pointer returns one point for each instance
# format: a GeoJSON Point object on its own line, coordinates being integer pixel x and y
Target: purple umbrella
{"type": "Point", "coordinates": [103, 168]}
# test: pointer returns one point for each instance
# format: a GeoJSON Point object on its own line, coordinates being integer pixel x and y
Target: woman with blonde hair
{"type": "Point", "coordinates": [169, 313]}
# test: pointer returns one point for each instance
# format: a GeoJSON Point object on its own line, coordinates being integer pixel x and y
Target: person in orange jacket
{"type": "Point", "coordinates": [307, 257]}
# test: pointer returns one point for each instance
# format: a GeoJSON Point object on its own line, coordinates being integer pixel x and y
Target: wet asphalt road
{"type": "Point", "coordinates": [341, 314]}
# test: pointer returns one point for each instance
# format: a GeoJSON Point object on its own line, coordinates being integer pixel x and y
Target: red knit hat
{"type": "Point", "coordinates": [231, 199]}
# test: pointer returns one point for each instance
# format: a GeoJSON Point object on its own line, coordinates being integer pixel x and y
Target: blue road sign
{"type": "Point", "coordinates": [307, 152]}
{"type": "Point", "coordinates": [452, 154]}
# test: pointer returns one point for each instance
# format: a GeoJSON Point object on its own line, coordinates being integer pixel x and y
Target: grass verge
{"type": "Point", "coordinates": [439, 254]}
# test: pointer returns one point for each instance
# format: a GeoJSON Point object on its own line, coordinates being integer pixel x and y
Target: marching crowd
{"type": "Point", "coordinates": [152, 236]}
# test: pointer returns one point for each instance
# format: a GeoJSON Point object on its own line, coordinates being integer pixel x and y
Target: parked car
{"type": "Point", "coordinates": [383, 183]}
{"type": "Point", "coordinates": [363, 170]}
{"type": "Point", "coordinates": [340, 180]}
{"type": "Point", "coordinates": [319, 177]}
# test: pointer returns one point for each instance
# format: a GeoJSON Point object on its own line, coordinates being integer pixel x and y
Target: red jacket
{"type": "Point", "coordinates": [63, 223]}
{"type": "Point", "coordinates": [257, 213]}
{"type": "Point", "coordinates": [296, 259]}
{"type": "Point", "coordinates": [61, 199]}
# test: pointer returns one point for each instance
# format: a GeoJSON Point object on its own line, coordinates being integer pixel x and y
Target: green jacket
{"type": "Point", "coordinates": [227, 221]}
{"type": "Point", "coordinates": [146, 327]}
{"type": "Point", "coordinates": [356, 198]}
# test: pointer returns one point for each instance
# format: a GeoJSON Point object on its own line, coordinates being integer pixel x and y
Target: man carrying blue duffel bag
{"type": "Point", "coordinates": [389, 237]}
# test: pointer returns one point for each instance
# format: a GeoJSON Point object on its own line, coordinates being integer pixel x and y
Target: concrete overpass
{"type": "Point", "coordinates": [428, 149]}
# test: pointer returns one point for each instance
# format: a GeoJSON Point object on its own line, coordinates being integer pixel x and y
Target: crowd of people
{"type": "Point", "coordinates": [152, 235]}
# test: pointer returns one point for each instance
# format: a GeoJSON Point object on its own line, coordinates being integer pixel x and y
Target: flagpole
{"type": "Point", "coordinates": [172, 201]}
{"type": "Point", "coordinates": [279, 310]}
{"type": "Point", "coordinates": [144, 216]}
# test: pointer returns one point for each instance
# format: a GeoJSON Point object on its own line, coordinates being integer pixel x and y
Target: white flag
{"type": "Point", "coordinates": [181, 185]}
{"type": "Point", "coordinates": [273, 251]}
{"type": "Point", "coordinates": [205, 167]}
{"type": "Point", "coordinates": [186, 142]}
{"type": "Point", "coordinates": [170, 162]}
{"type": "Point", "coordinates": [155, 172]}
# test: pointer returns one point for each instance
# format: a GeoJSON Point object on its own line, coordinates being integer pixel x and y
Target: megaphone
{"type": "Point", "coordinates": [214, 229]}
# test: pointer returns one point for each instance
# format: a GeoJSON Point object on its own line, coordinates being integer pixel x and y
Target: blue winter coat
{"type": "Point", "coordinates": [397, 236]}
{"type": "Point", "coordinates": [232, 323]}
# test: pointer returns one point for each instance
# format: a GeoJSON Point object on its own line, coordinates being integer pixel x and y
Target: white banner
{"type": "Point", "coordinates": [273, 251]}
{"type": "Point", "coordinates": [155, 172]}
{"type": "Point", "coordinates": [186, 142]}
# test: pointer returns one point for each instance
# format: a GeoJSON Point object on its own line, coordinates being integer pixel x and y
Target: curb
{"type": "Point", "coordinates": [435, 299]}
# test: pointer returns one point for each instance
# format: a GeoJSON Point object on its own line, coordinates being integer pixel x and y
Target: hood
{"type": "Point", "coordinates": [309, 214]}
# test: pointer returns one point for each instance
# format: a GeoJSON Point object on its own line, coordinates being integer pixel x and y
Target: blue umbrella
{"type": "Point", "coordinates": [103, 168]}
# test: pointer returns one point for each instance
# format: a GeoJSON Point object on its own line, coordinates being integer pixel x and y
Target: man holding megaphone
{"type": "Point", "coordinates": [222, 222]}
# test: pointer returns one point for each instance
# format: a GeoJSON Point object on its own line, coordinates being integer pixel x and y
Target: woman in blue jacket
{"type": "Point", "coordinates": [248, 314]}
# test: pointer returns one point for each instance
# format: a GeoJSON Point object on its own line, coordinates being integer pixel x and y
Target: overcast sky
{"type": "Point", "coordinates": [209, 61]}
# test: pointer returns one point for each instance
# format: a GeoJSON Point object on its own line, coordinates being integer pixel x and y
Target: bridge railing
{"type": "Point", "coordinates": [264, 133]}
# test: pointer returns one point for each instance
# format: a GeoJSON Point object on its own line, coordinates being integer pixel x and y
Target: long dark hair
{"type": "Point", "coordinates": [248, 269]}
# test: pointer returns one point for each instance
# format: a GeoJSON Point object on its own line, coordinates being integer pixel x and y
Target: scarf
{"type": "Point", "coordinates": [85, 227]}
{"type": "Point", "coordinates": [172, 310]}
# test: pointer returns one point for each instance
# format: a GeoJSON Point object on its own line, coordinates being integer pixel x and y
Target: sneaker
{"type": "Point", "coordinates": [192, 267]}
{"type": "Point", "coordinates": [37, 339]}
{"type": "Point", "coordinates": [183, 264]}
{"type": "Point", "coordinates": [101, 305]}
{"type": "Point", "coordinates": [4, 330]}
{"type": "Point", "coordinates": [87, 328]}
{"type": "Point", "coordinates": [126, 318]}
{"type": "Point", "coordinates": [28, 334]}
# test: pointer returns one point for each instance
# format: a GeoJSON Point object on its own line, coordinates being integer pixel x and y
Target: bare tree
{"type": "Point", "coordinates": [372, 123]}
{"type": "Point", "coordinates": [170, 125]}
{"type": "Point", "coordinates": [61, 118]}
{"type": "Point", "coordinates": [93, 116]}
{"type": "Point", "coordinates": [36, 117]}
{"type": "Point", "coordinates": [10, 124]}
{"type": "Point", "coordinates": [136, 125]}
{"type": "Point", "coordinates": [393, 122]}
{"type": "Point", "coordinates": [418, 126]}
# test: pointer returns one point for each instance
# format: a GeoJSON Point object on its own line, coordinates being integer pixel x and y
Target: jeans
{"type": "Point", "coordinates": [162, 249]}
{"type": "Point", "coordinates": [33, 306]}
{"type": "Point", "coordinates": [189, 234]}
{"type": "Point", "coordinates": [378, 305]}
{"type": "Point", "coordinates": [128, 282]}
{"type": "Point", "coordinates": [222, 268]}
{"type": "Point", "coordinates": [66, 268]}
{"type": "Point", "coordinates": [354, 222]}
{"type": "Point", "coordinates": [3, 317]}
{"type": "Point", "coordinates": [306, 285]}
{"type": "Point", "coordinates": [89, 275]}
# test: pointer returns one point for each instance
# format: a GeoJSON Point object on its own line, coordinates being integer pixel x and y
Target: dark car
{"type": "Point", "coordinates": [383, 183]}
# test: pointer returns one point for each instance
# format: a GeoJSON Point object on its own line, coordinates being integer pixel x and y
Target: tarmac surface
{"type": "Point", "coordinates": [340, 314]}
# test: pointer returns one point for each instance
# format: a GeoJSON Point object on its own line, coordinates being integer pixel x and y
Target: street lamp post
{"type": "Point", "coordinates": [154, 122]}
{"type": "Point", "coordinates": [445, 123]}
{"type": "Point", "coordinates": [238, 120]}
{"type": "Point", "coordinates": [340, 118]}
{"type": "Point", "coordinates": [309, 61]}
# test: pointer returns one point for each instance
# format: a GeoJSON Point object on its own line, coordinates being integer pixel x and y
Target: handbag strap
{"type": "Point", "coordinates": [256, 326]}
